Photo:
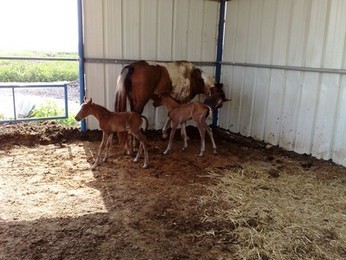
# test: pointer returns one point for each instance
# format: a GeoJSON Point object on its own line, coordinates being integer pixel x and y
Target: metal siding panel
{"type": "Point", "coordinates": [260, 103]}
{"type": "Point", "coordinates": [237, 87]}
{"type": "Point", "coordinates": [194, 30]}
{"type": "Point", "coordinates": [339, 147]}
{"type": "Point", "coordinates": [267, 31]}
{"type": "Point", "coordinates": [297, 35]}
{"type": "Point", "coordinates": [282, 27]}
{"type": "Point", "coordinates": [112, 30]}
{"type": "Point", "coordinates": [306, 115]}
{"type": "Point", "coordinates": [181, 12]}
{"type": "Point", "coordinates": [316, 34]}
{"type": "Point", "coordinates": [93, 32]}
{"type": "Point", "coordinates": [242, 32]}
{"type": "Point", "coordinates": [325, 116]}
{"type": "Point", "coordinates": [335, 36]}
{"type": "Point", "coordinates": [95, 89]}
{"type": "Point", "coordinates": [252, 50]}
{"type": "Point", "coordinates": [165, 30]}
{"type": "Point", "coordinates": [131, 29]}
{"type": "Point", "coordinates": [209, 35]}
{"type": "Point", "coordinates": [148, 29]}
{"type": "Point", "coordinates": [231, 24]}
{"type": "Point", "coordinates": [224, 112]}
{"type": "Point", "coordinates": [290, 109]}
{"type": "Point", "coordinates": [246, 108]}
{"type": "Point", "coordinates": [274, 106]}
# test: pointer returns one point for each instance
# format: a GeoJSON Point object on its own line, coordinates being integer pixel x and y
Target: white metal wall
{"type": "Point", "coordinates": [300, 111]}
{"type": "Point", "coordinates": [144, 29]}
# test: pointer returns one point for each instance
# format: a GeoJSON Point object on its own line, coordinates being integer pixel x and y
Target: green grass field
{"type": "Point", "coordinates": [36, 70]}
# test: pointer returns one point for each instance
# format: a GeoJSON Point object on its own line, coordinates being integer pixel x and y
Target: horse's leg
{"type": "Point", "coordinates": [165, 128]}
{"type": "Point", "coordinates": [184, 135]}
{"type": "Point", "coordinates": [201, 130]}
{"type": "Point", "coordinates": [101, 148]}
{"type": "Point", "coordinates": [171, 137]}
{"type": "Point", "coordinates": [142, 146]}
{"type": "Point", "coordinates": [108, 146]}
{"type": "Point", "coordinates": [210, 133]}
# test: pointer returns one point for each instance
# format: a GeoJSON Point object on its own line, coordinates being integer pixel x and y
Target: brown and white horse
{"type": "Point", "coordinates": [142, 80]}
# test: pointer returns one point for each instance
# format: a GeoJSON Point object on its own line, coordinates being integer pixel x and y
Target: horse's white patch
{"type": "Point", "coordinates": [179, 73]}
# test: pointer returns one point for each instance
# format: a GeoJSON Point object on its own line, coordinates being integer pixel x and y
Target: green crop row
{"type": "Point", "coordinates": [38, 71]}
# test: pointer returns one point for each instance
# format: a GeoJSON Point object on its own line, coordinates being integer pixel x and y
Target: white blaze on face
{"type": "Point", "coordinates": [208, 83]}
{"type": "Point", "coordinates": [179, 73]}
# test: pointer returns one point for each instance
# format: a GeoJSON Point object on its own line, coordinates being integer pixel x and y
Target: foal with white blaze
{"type": "Point", "coordinates": [111, 122]}
{"type": "Point", "coordinates": [179, 114]}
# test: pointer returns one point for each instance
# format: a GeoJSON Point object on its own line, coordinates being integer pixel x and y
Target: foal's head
{"type": "Point", "coordinates": [85, 109]}
{"type": "Point", "coordinates": [217, 97]}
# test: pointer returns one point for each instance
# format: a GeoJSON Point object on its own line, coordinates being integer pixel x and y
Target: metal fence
{"type": "Point", "coordinates": [12, 87]}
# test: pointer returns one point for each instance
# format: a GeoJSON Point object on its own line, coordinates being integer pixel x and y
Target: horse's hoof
{"type": "Point", "coordinates": [200, 155]}
{"type": "Point", "coordinates": [214, 152]}
{"type": "Point", "coordinates": [135, 160]}
{"type": "Point", "coordinates": [164, 136]}
{"type": "Point", "coordinates": [93, 167]}
{"type": "Point", "coordinates": [145, 166]}
{"type": "Point", "coordinates": [184, 148]}
{"type": "Point", "coordinates": [165, 152]}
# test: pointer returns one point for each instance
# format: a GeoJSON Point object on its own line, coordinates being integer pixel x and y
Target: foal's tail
{"type": "Point", "coordinates": [123, 84]}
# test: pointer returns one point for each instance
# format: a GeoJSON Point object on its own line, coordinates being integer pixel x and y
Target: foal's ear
{"type": "Point", "coordinates": [90, 101]}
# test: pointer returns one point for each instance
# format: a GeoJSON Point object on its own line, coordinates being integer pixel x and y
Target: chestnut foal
{"type": "Point", "coordinates": [180, 114]}
{"type": "Point", "coordinates": [111, 122]}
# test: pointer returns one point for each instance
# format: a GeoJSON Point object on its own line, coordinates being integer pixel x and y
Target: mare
{"type": "Point", "coordinates": [110, 122]}
{"type": "Point", "coordinates": [180, 114]}
{"type": "Point", "coordinates": [141, 81]}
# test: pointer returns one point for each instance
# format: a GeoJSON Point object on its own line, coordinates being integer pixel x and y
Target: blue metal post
{"type": "Point", "coordinates": [219, 50]}
{"type": "Point", "coordinates": [66, 100]}
{"type": "Point", "coordinates": [81, 57]}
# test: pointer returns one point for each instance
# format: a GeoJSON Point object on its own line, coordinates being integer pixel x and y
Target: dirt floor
{"type": "Point", "coordinates": [250, 201]}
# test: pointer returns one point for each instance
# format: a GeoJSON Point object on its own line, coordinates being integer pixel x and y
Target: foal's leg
{"type": "Point", "coordinates": [108, 146]}
{"type": "Point", "coordinates": [142, 146]}
{"type": "Point", "coordinates": [171, 137]}
{"type": "Point", "coordinates": [101, 148]}
{"type": "Point", "coordinates": [184, 135]}
{"type": "Point", "coordinates": [210, 133]}
{"type": "Point", "coordinates": [165, 128]}
{"type": "Point", "coordinates": [201, 130]}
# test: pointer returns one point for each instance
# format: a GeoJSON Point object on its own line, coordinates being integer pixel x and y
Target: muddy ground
{"type": "Point", "coordinates": [250, 201]}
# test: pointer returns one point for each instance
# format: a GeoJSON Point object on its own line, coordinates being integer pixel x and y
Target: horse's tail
{"type": "Point", "coordinates": [146, 123]}
{"type": "Point", "coordinates": [123, 84]}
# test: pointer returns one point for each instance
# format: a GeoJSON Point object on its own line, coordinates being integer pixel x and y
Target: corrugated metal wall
{"type": "Point", "coordinates": [284, 62]}
{"type": "Point", "coordinates": [299, 110]}
{"type": "Point", "coordinates": [144, 29]}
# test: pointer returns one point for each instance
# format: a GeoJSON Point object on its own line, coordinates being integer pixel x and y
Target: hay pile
{"type": "Point", "coordinates": [277, 214]}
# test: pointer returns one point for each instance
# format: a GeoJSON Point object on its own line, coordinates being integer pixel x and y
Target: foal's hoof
{"type": "Point", "coordinates": [145, 166]}
{"type": "Point", "coordinates": [215, 152]}
{"type": "Point", "coordinates": [200, 154]}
